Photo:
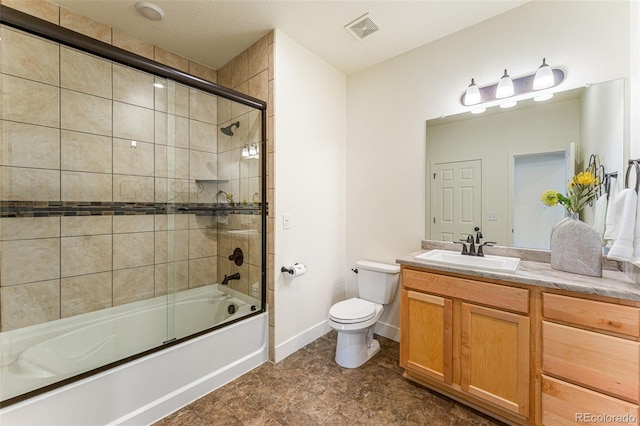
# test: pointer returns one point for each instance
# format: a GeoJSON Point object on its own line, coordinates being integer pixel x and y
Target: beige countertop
{"type": "Point", "coordinates": [614, 283]}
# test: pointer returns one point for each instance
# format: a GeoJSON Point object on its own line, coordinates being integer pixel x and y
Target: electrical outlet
{"type": "Point", "coordinates": [286, 221]}
{"type": "Point", "coordinates": [492, 216]}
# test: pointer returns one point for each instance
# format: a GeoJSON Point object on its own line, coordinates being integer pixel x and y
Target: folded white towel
{"type": "Point", "coordinates": [610, 221]}
{"type": "Point", "coordinates": [637, 239]}
{"type": "Point", "coordinates": [600, 215]}
{"type": "Point", "coordinates": [626, 208]}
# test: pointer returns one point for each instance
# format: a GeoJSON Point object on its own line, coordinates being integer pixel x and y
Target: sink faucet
{"type": "Point", "coordinates": [228, 278]}
{"type": "Point", "coordinates": [472, 246]}
{"type": "Point", "coordinates": [488, 244]}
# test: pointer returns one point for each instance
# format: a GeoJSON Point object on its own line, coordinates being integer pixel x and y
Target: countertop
{"type": "Point", "coordinates": [614, 283]}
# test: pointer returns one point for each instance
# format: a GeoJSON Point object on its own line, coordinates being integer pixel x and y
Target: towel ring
{"type": "Point", "coordinates": [636, 163]}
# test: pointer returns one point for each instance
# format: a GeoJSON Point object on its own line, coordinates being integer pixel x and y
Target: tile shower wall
{"type": "Point", "coordinates": [81, 114]}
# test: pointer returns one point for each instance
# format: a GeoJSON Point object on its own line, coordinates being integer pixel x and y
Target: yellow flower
{"type": "Point", "coordinates": [549, 197]}
{"type": "Point", "coordinates": [585, 179]}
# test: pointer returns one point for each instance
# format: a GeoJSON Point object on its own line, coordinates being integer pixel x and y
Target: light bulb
{"type": "Point", "coordinates": [544, 77]}
{"type": "Point", "coordinates": [505, 87]}
{"type": "Point", "coordinates": [472, 95]}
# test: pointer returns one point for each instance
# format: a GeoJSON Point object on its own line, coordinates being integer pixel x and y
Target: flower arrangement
{"type": "Point", "coordinates": [581, 190]}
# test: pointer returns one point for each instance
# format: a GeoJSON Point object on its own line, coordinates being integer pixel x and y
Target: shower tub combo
{"type": "Point", "coordinates": [120, 303]}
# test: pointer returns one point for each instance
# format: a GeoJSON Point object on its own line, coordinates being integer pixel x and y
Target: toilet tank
{"type": "Point", "coordinates": [377, 282]}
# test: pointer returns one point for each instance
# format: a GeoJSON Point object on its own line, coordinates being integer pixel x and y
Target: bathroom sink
{"type": "Point", "coordinates": [488, 262]}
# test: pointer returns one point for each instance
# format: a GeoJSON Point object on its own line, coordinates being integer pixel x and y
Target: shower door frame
{"type": "Point", "coordinates": [57, 34]}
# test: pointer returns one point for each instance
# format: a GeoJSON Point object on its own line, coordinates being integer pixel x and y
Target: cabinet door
{"type": "Point", "coordinates": [495, 357]}
{"type": "Point", "coordinates": [426, 335]}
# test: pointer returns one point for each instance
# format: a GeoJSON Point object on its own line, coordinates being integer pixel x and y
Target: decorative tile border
{"type": "Point", "coordinates": [101, 208]}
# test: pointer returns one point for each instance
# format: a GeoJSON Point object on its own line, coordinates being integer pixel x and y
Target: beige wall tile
{"type": "Point", "coordinates": [171, 59]}
{"type": "Point", "coordinates": [202, 71]}
{"type": "Point", "coordinates": [203, 107]}
{"type": "Point", "coordinates": [22, 228]}
{"type": "Point", "coordinates": [272, 69]}
{"type": "Point", "coordinates": [258, 56]}
{"type": "Point", "coordinates": [84, 25]}
{"type": "Point", "coordinates": [85, 293]}
{"type": "Point", "coordinates": [164, 222]}
{"type": "Point", "coordinates": [29, 304]}
{"type": "Point", "coordinates": [132, 250]}
{"type": "Point", "coordinates": [85, 113]}
{"type": "Point", "coordinates": [172, 162]}
{"type": "Point", "coordinates": [31, 102]}
{"type": "Point", "coordinates": [202, 271]}
{"type": "Point", "coordinates": [25, 261]}
{"type": "Point", "coordinates": [133, 189]}
{"type": "Point", "coordinates": [174, 190]}
{"type": "Point", "coordinates": [125, 41]}
{"type": "Point", "coordinates": [203, 243]}
{"type": "Point", "coordinates": [171, 130]}
{"type": "Point", "coordinates": [42, 9]}
{"type": "Point", "coordinates": [259, 86]}
{"type": "Point", "coordinates": [171, 277]}
{"type": "Point", "coordinates": [80, 186]}
{"type": "Point", "coordinates": [224, 110]}
{"type": "Point", "coordinates": [203, 136]}
{"type": "Point", "coordinates": [74, 226]}
{"type": "Point", "coordinates": [224, 75]}
{"type": "Point", "coordinates": [161, 94]}
{"type": "Point", "coordinates": [84, 152]}
{"type": "Point", "coordinates": [178, 100]}
{"type": "Point", "coordinates": [203, 165]}
{"type": "Point", "coordinates": [132, 122]}
{"type": "Point", "coordinates": [123, 224]}
{"type": "Point", "coordinates": [22, 184]}
{"type": "Point", "coordinates": [130, 285]}
{"type": "Point", "coordinates": [254, 126]}
{"type": "Point", "coordinates": [228, 164]}
{"type": "Point", "coordinates": [85, 255]}
{"type": "Point", "coordinates": [85, 73]}
{"type": "Point", "coordinates": [26, 145]}
{"type": "Point", "coordinates": [171, 246]}
{"type": "Point", "coordinates": [29, 57]}
{"type": "Point", "coordinates": [133, 86]}
{"type": "Point", "coordinates": [130, 160]}
{"type": "Point", "coordinates": [238, 109]}
{"type": "Point", "coordinates": [239, 69]}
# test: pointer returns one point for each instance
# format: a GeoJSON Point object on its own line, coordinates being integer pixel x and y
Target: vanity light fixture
{"type": "Point", "coordinates": [505, 87]}
{"type": "Point", "coordinates": [530, 86]}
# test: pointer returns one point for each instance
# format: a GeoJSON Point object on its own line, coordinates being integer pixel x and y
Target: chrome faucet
{"type": "Point", "coordinates": [228, 278]}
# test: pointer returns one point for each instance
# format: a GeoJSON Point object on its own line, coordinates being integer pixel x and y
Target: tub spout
{"type": "Point", "coordinates": [228, 278]}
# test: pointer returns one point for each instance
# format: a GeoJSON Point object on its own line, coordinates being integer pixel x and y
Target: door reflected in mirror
{"type": "Point", "coordinates": [519, 152]}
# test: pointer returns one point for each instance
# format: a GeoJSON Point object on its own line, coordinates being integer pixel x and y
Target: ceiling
{"type": "Point", "coordinates": [212, 32]}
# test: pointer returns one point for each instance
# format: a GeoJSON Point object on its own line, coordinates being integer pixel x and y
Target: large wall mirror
{"type": "Point", "coordinates": [487, 171]}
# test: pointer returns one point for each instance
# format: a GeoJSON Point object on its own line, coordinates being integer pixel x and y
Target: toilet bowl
{"type": "Point", "coordinates": [354, 319]}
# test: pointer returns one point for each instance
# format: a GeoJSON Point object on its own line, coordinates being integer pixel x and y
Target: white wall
{"type": "Point", "coordinates": [310, 165]}
{"type": "Point", "coordinates": [389, 103]}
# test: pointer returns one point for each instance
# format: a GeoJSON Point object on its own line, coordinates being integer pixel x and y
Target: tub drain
{"type": "Point", "coordinates": [231, 309]}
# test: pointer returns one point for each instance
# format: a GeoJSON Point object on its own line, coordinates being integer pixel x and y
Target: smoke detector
{"type": "Point", "coordinates": [362, 27]}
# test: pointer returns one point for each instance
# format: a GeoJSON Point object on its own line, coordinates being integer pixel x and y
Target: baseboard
{"type": "Point", "coordinates": [387, 330]}
{"type": "Point", "coordinates": [300, 340]}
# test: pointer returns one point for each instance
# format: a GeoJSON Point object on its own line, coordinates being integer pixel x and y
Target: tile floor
{"type": "Point", "coordinates": [308, 388]}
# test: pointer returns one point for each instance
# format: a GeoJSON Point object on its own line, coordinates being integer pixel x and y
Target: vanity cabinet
{"type": "Point", "coordinates": [470, 339]}
{"type": "Point", "coordinates": [590, 360]}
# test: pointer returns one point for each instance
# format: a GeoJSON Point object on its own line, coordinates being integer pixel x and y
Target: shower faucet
{"type": "Point", "coordinates": [228, 278]}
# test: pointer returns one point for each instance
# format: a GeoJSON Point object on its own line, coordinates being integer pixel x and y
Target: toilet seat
{"type": "Point", "coordinates": [352, 311]}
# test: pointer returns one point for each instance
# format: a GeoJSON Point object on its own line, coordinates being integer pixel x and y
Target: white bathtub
{"type": "Point", "coordinates": [36, 356]}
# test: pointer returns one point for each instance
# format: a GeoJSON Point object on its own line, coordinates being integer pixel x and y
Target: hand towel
{"type": "Point", "coordinates": [626, 207]}
{"type": "Point", "coordinates": [610, 224]}
{"type": "Point", "coordinates": [600, 215]}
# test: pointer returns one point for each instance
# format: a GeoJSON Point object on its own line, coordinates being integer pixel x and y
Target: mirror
{"type": "Point", "coordinates": [487, 171]}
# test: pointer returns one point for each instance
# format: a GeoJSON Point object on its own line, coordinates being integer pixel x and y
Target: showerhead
{"type": "Point", "coordinates": [229, 129]}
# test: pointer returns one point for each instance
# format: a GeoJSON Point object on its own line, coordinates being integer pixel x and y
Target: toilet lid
{"type": "Point", "coordinates": [352, 310]}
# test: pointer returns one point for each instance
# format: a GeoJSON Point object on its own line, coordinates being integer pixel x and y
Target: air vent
{"type": "Point", "coordinates": [362, 27]}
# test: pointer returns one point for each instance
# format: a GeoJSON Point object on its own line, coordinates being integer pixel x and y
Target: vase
{"type": "Point", "coordinates": [576, 247]}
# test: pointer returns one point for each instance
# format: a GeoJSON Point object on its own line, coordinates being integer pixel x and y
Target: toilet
{"type": "Point", "coordinates": [355, 318]}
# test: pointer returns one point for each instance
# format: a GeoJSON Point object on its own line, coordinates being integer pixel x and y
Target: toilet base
{"type": "Point", "coordinates": [354, 349]}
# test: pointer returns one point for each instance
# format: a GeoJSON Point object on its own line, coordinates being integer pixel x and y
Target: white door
{"type": "Point", "coordinates": [456, 199]}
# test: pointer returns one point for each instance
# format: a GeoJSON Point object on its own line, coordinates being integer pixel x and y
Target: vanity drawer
{"type": "Point", "coordinates": [567, 404]}
{"type": "Point", "coordinates": [500, 296]}
{"type": "Point", "coordinates": [606, 363]}
{"type": "Point", "coordinates": [589, 313]}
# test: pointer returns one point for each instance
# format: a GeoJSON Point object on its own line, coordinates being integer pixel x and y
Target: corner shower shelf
{"type": "Point", "coordinates": [215, 181]}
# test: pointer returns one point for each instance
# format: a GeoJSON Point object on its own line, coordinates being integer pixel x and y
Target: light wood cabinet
{"type": "Point", "coordinates": [457, 333]}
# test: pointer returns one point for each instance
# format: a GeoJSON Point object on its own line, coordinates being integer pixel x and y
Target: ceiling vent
{"type": "Point", "coordinates": [362, 27]}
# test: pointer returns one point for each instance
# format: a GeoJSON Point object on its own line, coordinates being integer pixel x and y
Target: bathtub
{"type": "Point", "coordinates": [40, 355]}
